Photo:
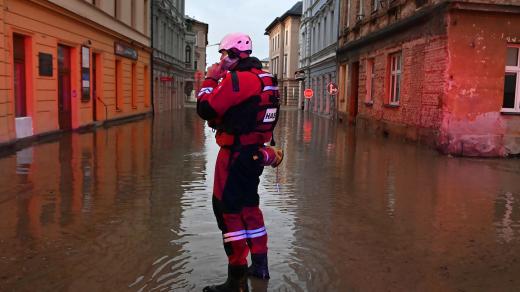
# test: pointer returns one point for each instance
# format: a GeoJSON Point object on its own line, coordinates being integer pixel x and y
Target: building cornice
{"type": "Point", "coordinates": [484, 7]}
{"type": "Point", "coordinates": [323, 59]}
{"type": "Point", "coordinates": [325, 51]}
{"type": "Point", "coordinates": [279, 20]}
{"type": "Point", "coordinates": [167, 7]}
{"type": "Point", "coordinates": [421, 16]}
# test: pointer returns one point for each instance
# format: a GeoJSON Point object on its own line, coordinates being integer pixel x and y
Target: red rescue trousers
{"type": "Point", "coordinates": [235, 203]}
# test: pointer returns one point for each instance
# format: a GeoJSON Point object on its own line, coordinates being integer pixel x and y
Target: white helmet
{"type": "Point", "coordinates": [241, 42]}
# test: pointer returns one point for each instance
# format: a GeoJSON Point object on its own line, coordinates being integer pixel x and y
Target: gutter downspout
{"type": "Point", "coordinates": [152, 81]}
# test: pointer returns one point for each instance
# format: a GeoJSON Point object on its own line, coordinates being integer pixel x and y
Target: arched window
{"type": "Point", "coordinates": [188, 54]}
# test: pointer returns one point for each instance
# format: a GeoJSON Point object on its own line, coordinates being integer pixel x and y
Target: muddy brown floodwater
{"type": "Point", "coordinates": [128, 208]}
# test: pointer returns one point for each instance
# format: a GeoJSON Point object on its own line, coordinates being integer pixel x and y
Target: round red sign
{"type": "Point", "coordinates": [308, 93]}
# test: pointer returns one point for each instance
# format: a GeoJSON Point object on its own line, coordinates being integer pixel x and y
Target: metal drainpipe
{"type": "Point", "coordinates": [152, 81]}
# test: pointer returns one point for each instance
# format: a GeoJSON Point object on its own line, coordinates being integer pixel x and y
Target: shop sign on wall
{"type": "Point", "coordinates": [166, 78]}
{"type": "Point", "coordinates": [45, 64]}
{"type": "Point", "coordinates": [124, 50]}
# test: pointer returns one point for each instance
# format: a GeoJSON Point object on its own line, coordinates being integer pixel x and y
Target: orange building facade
{"type": "Point", "coordinates": [67, 64]}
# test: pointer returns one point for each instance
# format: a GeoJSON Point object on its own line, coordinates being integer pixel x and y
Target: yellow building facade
{"type": "Point", "coordinates": [67, 64]}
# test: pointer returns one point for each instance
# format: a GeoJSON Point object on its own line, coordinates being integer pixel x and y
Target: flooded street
{"type": "Point", "coordinates": [128, 208]}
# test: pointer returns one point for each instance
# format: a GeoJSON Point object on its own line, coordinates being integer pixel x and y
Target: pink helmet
{"type": "Point", "coordinates": [239, 41]}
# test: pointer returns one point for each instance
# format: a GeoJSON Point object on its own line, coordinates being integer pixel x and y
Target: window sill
{"type": "Point", "coordinates": [510, 113]}
{"type": "Point", "coordinates": [389, 105]}
{"type": "Point", "coordinates": [369, 103]}
{"type": "Point", "coordinates": [118, 110]}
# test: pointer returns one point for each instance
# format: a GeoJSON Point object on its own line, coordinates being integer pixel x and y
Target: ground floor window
{"type": "Point", "coordinates": [134, 86]}
{"type": "Point", "coordinates": [395, 78]}
{"type": "Point", "coordinates": [370, 80]}
{"type": "Point", "coordinates": [146, 86]}
{"type": "Point", "coordinates": [119, 85]}
{"type": "Point", "coordinates": [511, 101]}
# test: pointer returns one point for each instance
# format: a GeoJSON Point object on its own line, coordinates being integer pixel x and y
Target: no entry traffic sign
{"type": "Point", "coordinates": [308, 93]}
{"type": "Point", "coordinates": [332, 88]}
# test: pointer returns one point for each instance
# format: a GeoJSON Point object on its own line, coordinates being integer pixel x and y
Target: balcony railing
{"type": "Point", "coordinates": [168, 58]}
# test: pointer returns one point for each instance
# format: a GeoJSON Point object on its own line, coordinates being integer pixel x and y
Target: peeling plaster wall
{"type": "Point", "coordinates": [472, 124]}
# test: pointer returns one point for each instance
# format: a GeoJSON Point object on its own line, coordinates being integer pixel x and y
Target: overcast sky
{"type": "Point", "coordinates": [248, 16]}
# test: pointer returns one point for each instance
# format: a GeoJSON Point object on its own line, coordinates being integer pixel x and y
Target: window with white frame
{"type": "Point", "coordinates": [313, 41]}
{"type": "Point", "coordinates": [511, 102]}
{"type": "Point", "coordinates": [395, 78]}
{"type": "Point", "coordinates": [370, 77]}
{"type": "Point", "coordinates": [318, 38]}
{"type": "Point", "coordinates": [325, 27]}
{"type": "Point", "coordinates": [374, 5]}
{"type": "Point", "coordinates": [331, 37]}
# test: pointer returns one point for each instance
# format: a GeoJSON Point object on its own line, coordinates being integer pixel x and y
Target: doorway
{"type": "Point", "coordinates": [20, 94]}
{"type": "Point", "coordinates": [22, 85]}
{"type": "Point", "coordinates": [64, 88]}
{"type": "Point", "coordinates": [95, 97]}
{"type": "Point", "coordinates": [353, 102]}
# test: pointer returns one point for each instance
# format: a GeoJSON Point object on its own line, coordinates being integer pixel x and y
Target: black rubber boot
{"type": "Point", "coordinates": [236, 281]}
{"type": "Point", "coordinates": [259, 268]}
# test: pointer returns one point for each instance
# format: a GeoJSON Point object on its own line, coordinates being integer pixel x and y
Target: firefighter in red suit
{"type": "Point", "coordinates": [241, 102]}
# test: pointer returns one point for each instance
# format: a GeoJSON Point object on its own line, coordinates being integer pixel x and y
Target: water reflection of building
{"type": "Point", "coordinates": [417, 221]}
{"type": "Point", "coordinates": [72, 200]}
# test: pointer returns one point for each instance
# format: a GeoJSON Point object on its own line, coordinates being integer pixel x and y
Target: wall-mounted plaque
{"type": "Point", "coordinates": [45, 64]}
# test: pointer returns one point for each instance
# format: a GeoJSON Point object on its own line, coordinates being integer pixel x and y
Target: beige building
{"type": "Point", "coordinates": [200, 29]}
{"type": "Point", "coordinates": [283, 35]}
{"type": "Point", "coordinates": [68, 64]}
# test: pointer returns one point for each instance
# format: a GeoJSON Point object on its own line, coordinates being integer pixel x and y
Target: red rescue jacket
{"type": "Point", "coordinates": [243, 107]}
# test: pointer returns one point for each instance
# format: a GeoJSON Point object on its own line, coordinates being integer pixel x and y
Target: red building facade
{"type": "Point", "coordinates": [442, 72]}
